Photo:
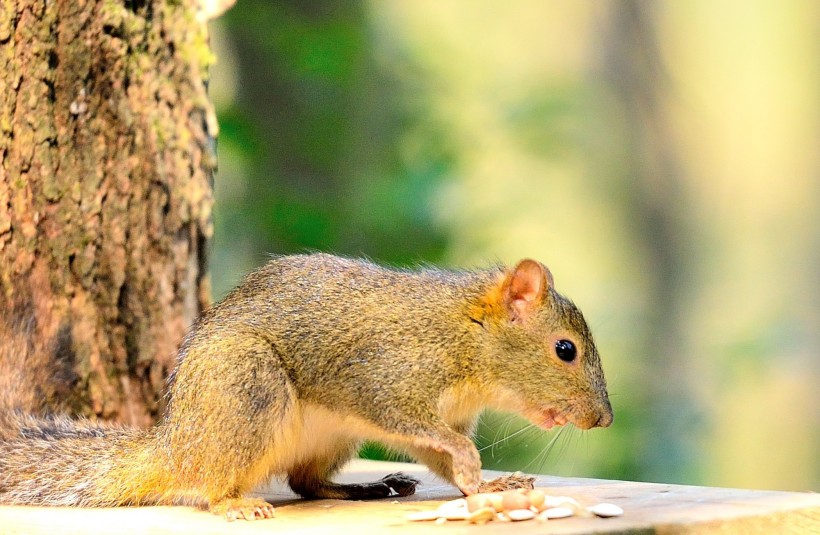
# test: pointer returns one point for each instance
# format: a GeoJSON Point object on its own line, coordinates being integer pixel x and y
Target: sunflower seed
{"type": "Point", "coordinates": [606, 510]}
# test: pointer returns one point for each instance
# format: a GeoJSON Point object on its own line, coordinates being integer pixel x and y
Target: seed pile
{"type": "Point", "coordinates": [513, 505]}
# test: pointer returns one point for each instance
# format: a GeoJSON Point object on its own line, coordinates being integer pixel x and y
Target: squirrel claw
{"type": "Point", "coordinates": [466, 484]}
{"type": "Point", "coordinates": [243, 509]}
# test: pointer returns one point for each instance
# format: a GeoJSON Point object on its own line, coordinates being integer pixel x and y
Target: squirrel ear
{"type": "Point", "coordinates": [525, 287]}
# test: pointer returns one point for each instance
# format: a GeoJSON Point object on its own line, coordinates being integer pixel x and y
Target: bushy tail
{"type": "Point", "coordinates": [58, 461]}
{"type": "Point", "coordinates": [54, 460]}
{"type": "Point", "coordinates": [36, 364]}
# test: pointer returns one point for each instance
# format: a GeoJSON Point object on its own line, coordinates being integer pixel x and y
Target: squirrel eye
{"type": "Point", "coordinates": [565, 350]}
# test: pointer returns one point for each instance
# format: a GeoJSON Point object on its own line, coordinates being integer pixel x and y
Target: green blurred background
{"type": "Point", "coordinates": [661, 157]}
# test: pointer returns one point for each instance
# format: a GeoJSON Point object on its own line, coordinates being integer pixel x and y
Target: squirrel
{"type": "Point", "coordinates": [305, 359]}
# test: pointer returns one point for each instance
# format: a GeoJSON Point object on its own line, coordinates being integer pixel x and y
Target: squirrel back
{"type": "Point", "coordinates": [339, 319]}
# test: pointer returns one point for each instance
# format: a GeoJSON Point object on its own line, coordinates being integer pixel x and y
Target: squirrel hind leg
{"type": "Point", "coordinates": [224, 438]}
{"type": "Point", "coordinates": [312, 480]}
{"type": "Point", "coordinates": [397, 484]}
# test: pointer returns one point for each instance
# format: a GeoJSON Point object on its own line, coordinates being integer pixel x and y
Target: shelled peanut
{"type": "Point", "coordinates": [514, 505]}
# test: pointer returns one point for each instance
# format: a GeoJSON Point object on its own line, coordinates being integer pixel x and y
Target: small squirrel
{"type": "Point", "coordinates": [306, 358]}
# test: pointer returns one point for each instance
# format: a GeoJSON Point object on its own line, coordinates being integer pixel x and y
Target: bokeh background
{"type": "Point", "coordinates": [661, 157]}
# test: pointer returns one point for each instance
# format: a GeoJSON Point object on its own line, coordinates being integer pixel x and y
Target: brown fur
{"type": "Point", "coordinates": [306, 358]}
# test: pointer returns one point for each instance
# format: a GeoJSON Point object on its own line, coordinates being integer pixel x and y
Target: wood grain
{"type": "Point", "coordinates": [649, 508]}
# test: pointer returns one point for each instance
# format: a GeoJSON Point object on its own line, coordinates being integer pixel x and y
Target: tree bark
{"type": "Point", "coordinates": [105, 197]}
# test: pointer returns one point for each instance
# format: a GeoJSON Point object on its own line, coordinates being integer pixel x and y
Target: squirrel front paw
{"type": "Point", "coordinates": [468, 483]}
{"type": "Point", "coordinates": [467, 470]}
{"type": "Point", "coordinates": [467, 473]}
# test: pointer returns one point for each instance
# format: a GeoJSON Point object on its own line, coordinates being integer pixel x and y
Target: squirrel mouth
{"type": "Point", "coordinates": [548, 418]}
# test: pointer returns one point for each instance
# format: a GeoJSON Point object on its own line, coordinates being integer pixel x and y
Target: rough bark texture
{"type": "Point", "coordinates": [105, 197]}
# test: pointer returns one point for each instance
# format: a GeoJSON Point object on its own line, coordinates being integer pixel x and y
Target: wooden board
{"type": "Point", "coordinates": [649, 508]}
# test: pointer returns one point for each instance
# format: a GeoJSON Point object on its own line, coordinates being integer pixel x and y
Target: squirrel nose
{"type": "Point", "coordinates": [605, 417]}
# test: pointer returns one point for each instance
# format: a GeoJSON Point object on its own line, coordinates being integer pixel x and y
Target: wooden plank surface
{"type": "Point", "coordinates": [649, 508]}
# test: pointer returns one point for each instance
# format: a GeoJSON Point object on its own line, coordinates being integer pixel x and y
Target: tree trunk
{"type": "Point", "coordinates": [105, 198]}
{"type": "Point", "coordinates": [654, 201]}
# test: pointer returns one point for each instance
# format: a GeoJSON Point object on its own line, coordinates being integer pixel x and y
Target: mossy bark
{"type": "Point", "coordinates": [105, 190]}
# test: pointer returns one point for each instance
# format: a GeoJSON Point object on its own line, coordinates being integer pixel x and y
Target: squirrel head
{"type": "Point", "coordinates": [540, 353]}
